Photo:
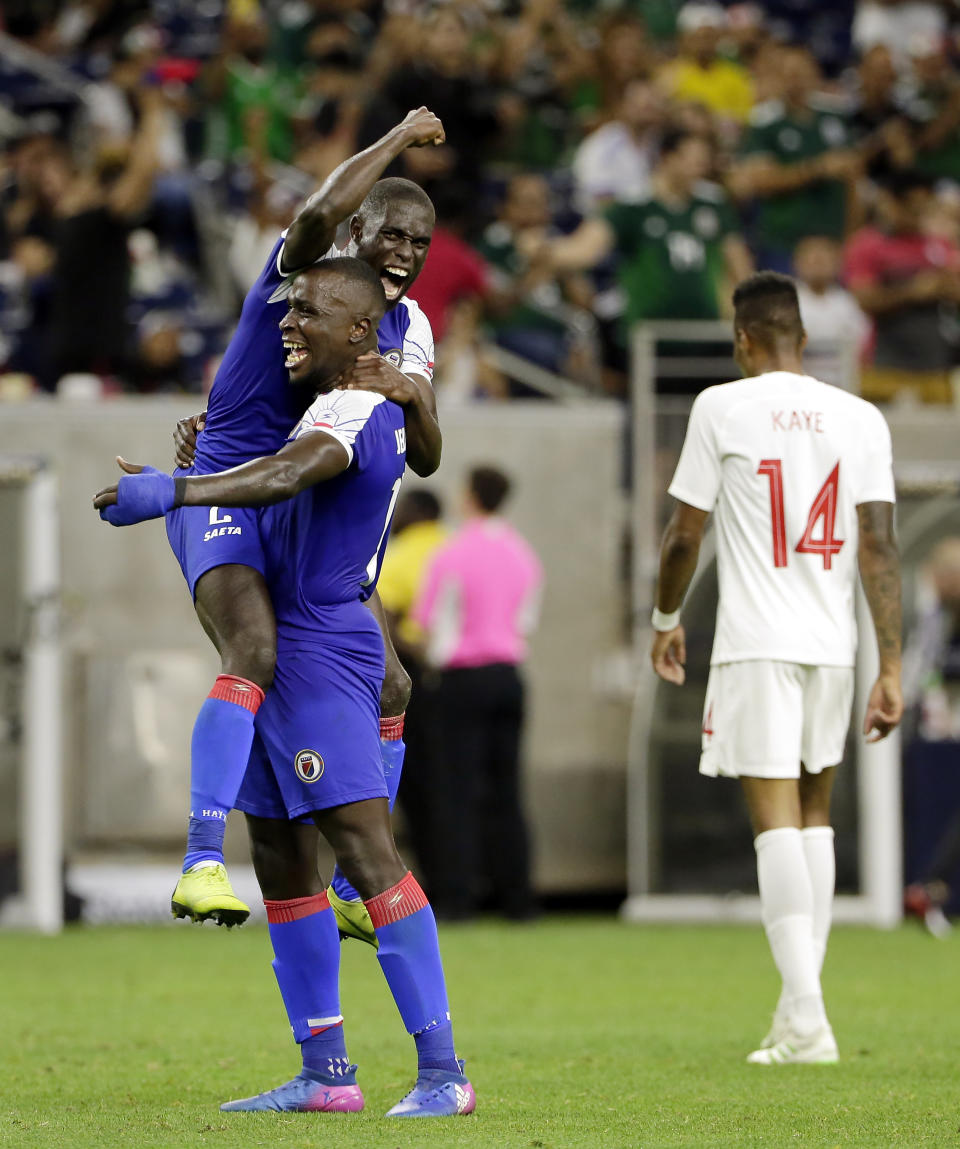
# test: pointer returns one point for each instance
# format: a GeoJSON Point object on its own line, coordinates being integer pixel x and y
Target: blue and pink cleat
{"type": "Point", "coordinates": [438, 1093]}
{"type": "Point", "coordinates": [308, 1092]}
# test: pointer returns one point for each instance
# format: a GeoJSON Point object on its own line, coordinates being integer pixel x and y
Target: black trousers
{"type": "Point", "coordinates": [422, 777]}
{"type": "Point", "coordinates": [483, 850]}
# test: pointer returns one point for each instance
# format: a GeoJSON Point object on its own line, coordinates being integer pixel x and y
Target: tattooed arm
{"type": "Point", "coordinates": [879, 561]}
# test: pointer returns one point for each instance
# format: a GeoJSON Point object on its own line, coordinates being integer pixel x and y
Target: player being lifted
{"type": "Point", "coordinates": [250, 413]}
{"type": "Point", "coordinates": [315, 762]}
{"type": "Point", "coordinates": [799, 475]}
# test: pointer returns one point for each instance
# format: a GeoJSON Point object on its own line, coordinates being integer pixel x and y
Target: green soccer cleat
{"type": "Point", "coordinates": [205, 892]}
{"type": "Point", "coordinates": [353, 919]}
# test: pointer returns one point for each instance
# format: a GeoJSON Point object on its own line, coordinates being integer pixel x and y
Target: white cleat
{"type": "Point", "coordinates": [779, 1031]}
{"type": "Point", "coordinates": [818, 1049]}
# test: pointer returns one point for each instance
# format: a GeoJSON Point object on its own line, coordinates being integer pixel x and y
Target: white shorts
{"type": "Point", "coordinates": [762, 719]}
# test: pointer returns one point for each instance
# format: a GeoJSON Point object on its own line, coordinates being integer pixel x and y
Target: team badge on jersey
{"type": "Point", "coordinates": [308, 765]}
{"type": "Point", "coordinates": [394, 356]}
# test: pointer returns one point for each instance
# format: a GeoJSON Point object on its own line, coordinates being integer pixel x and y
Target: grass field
{"type": "Point", "coordinates": [578, 1032]}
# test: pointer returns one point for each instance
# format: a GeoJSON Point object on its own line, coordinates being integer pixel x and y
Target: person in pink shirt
{"type": "Point", "coordinates": [479, 603]}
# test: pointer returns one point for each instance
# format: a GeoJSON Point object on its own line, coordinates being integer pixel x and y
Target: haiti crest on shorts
{"type": "Point", "coordinates": [308, 765]}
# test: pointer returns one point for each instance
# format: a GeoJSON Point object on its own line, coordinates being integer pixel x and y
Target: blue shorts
{"type": "Point", "coordinates": [317, 740]}
{"type": "Point", "coordinates": [206, 537]}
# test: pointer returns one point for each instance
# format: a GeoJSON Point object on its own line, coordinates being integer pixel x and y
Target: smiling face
{"type": "Point", "coordinates": [329, 322]}
{"type": "Point", "coordinates": [395, 245]}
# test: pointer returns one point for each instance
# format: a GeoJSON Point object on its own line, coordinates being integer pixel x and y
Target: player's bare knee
{"type": "Point", "coordinates": [371, 869]}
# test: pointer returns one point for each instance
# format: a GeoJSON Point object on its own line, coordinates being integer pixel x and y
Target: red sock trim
{"type": "Point", "coordinates": [391, 729]}
{"type": "Point", "coordinates": [296, 908]}
{"type": "Point", "coordinates": [243, 692]}
{"type": "Point", "coordinates": [400, 901]}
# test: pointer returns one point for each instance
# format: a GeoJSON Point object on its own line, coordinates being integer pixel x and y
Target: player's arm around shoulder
{"type": "Point", "coordinates": [144, 493]}
{"type": "Point", "coordinates": [414, 393]}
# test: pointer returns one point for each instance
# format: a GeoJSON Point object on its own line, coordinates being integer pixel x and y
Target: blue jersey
{"type": "Point", "coordinates": [325, 545]}
{"type": "Point", "coordinates": [252, 405]}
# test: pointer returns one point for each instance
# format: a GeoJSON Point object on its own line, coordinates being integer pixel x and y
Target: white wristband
{"type": "Point", "coordinates": [663, 621]}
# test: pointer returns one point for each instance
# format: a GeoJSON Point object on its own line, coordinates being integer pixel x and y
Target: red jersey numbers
{"type": "Point", "coordinates": [818, 535]}
{"type": "Point", "coordinates": [773, 469]}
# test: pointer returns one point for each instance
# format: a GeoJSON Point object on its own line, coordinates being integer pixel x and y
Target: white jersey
{"type": "Point", "coordinates": [784, 460]}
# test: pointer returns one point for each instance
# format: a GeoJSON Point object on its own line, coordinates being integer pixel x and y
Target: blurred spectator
{"type": "Point", "coordinates": [932, 688]}
{"type": "Point", "coordinates": [330, 114]}
{"type": "Point", "coordinates": [540, 61]}
{"type": "Point", "coordinates": [269, 211]}
{"type": "Point", "coordinates": [479, 603]}
{"type": "Point", "coordinates": [931, 660]}
{"type": "Point", "coordinates": [623, 55]}
{"type": "Point", "coordinates": [578, 89]}
{"type": "Point", "coordinates": [823, 27]}
{"type": "Point", "coordinates": [93, 211]}
{"type": "Point", "coordinates": [247, 92]}
{"type": "Point", "coordinates": [536, 314]}
{"type": "Point", "coordinates": [895, 24]}
{"type": "Point", "coordinates": [879, 123]}
{"type": "Point", "coordinates": [831, 316]}
{"type": "Point", "coordinates": [158, 363]}
{"type": "Point", "coordinates": [28, 207]}
{"type": "Point", "coordinates": [615, 161]}
{"type": "Point", "coordinates": [700, 74]}
{"type": "Point", "coordinates": [935, 110]}
{"type": "Point", "coordinates": [908, 281]}
{"type": "Point", "coordinates": [673, 249]}
{"type": "Point", "coordinates": [443, 76]}
{"type": "Point", "coordinates": [797, 164]}
{"type": "Point", "coordinates": [415, 536]}
{"type": "Point", "coordinates": [454, 273]}
{"type": "Point", "coordinates": [112, 105]}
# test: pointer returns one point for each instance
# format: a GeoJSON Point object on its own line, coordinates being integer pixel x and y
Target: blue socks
{"type": "Point", "coordinates": [306, 946]}
{"type": "Point", "coordinates": [219, 751]}
{"type": "Point", "coordinates": [409, 956]}
{"type": "Point", "coordinates": [392, 750]}
{"type": "Point", "coordinates": [435, 1048]}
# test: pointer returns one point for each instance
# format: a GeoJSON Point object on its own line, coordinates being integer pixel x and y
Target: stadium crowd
{"type": "Point", "coordinates": [153, 148]}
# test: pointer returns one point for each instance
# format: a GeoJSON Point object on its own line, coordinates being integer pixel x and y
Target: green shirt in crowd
{"type": "Point", "coordinates": [499, 250]}
{"type": "Point", "coordinates": [670, 258]}
{"type": "Point", "coordinates": [943, 161]}
{"type": "Point", "coordinates": [252, 87]}
{"type": "Point", "coordinates": [783, 220]}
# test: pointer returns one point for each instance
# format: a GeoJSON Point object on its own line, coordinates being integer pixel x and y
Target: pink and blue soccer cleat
{"type": "Point", "coordinates": [438, 1093]}
{"type": "Point", "coordinates": [308, 1092]}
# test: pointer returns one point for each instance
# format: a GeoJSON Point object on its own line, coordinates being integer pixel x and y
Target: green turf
{"type": "Point", "coordinates": [578, 1032]}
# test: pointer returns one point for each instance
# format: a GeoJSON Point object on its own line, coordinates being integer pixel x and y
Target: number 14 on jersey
{"type": "Point", "coordinates": [823, 509]}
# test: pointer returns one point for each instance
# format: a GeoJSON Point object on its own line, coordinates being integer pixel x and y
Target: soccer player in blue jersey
{"type": "Point", "coordinates": [250, 413]}
{"type": "Point", "coordinates": [315, 761]}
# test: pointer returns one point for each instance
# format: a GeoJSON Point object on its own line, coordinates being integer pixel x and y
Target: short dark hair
{"type": "Point", "coordinates": [359, 273]}
{"type": "Point", "coordinates": [489, 486]}
{"type": "Point", "coordinates": [391, 190]}
{"type": "Point", "coordinates": [673, 140]}
{"type": "Point", "coordinates": [766, 307]}
{"type": "Point", "coordinates": [424, 504]}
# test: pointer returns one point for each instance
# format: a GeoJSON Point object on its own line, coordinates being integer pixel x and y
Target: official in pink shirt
{"type": "Point", "coordinates": [479, 602]}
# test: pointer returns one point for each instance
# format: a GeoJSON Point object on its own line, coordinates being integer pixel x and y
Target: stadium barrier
{"type": "Point", "coordinates": [138, 665]}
